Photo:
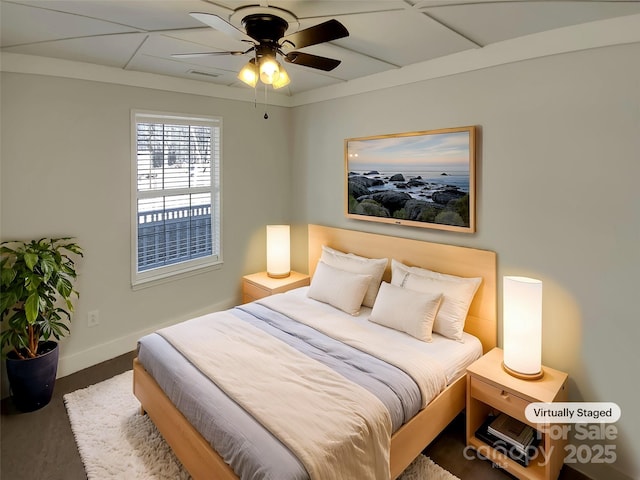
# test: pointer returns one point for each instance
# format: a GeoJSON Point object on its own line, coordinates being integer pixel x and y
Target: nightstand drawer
{"type": "Point", "coordinates": [255, 292]}
{"type": "Point", "coordinates": [500, 399]}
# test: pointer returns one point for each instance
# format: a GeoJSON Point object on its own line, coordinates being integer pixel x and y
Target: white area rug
{"type": "Point", "coordinates": [116, 442]}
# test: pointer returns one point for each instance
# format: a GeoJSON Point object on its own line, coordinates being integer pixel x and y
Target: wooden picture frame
{"type": "Point", "coordinates": [421, 179]}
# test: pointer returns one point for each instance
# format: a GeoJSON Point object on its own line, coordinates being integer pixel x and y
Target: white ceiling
{"type": "Point", "coordinates": [385, 35]}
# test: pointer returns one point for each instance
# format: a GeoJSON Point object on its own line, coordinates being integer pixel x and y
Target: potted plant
{"type": "Point", "coordinates": [36, 289]}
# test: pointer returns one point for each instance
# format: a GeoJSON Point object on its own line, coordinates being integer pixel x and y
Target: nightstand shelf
{"type": "Point", "coordinates": [260, 285]}
{"type": "Point", "coordinates": [491, 390]}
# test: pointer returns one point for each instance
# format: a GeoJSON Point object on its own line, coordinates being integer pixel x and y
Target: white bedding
{"type": "Point", "coordinates": [453, 356]}
{"type": "Point", "coordinates": [325, 419]}
{"type": "Point", "coordinates": [447, 357]}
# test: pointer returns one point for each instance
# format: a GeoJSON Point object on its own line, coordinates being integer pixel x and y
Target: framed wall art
{"type": "Point", "coordinates": [421, 179]}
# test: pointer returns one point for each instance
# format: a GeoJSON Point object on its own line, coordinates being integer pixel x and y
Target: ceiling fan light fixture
{"type": "Point", "coordinates": [249, 73]}
{"type": "Point", "coordinates": [269, 69]}
{"type": "Point", "coordinates": [264, 28]}
{"type": "Point", "coordinates": [283, 79]}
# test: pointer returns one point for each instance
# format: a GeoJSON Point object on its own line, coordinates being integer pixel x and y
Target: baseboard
{"type": "Point", "coordinates": [599, 470]}
{"type": "Point", "coordinates": [68, 364]}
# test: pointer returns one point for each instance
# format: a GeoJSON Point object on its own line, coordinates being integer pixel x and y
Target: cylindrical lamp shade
{"type": "Point", "coordinates": [278, 251]}
{"type": "Point", "coordinates": [522, 327]}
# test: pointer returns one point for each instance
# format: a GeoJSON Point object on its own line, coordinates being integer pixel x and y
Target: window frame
{"type": "Point", "coordinates": [188, 267]}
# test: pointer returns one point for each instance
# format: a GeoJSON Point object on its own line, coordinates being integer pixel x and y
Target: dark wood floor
{"type": "Point", "coordinates": [40, 445]}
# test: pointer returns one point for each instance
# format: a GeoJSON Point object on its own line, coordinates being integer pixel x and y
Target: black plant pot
{"type": "Point", "coordinates": [32, 380]}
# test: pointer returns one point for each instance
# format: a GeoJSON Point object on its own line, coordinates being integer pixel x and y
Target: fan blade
{"type": "Point", "coordinates": [204, 54]}
{"type": "Point", "coordinates": [218, 23]}
{"type": "Point", "coordinates": [323, 32]}
{"type": "Point", "coordinates": [313, 61]}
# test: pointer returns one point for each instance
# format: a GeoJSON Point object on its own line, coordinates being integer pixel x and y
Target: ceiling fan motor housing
{"type": "Point", "coordinates": [265, 28]}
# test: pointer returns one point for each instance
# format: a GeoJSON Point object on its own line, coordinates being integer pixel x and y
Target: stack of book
{"type": "Point", "coordinates": [515, 439]}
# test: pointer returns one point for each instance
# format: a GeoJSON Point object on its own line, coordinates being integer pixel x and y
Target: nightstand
{"type": "Point", "coordinates": [260, 285]}
{"type": "Point", "coordinates": [491, 390]}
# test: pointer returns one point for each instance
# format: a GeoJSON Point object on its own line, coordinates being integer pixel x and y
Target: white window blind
{"type": "Point", "coordinates": [176, 164]}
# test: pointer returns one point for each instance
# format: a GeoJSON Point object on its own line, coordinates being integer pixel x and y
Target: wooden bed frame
{"type": "Point", "coordinates": [202, 462]}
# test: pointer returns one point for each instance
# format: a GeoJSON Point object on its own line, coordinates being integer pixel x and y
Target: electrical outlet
{"type": "Point", "coordinates": [93, 318]}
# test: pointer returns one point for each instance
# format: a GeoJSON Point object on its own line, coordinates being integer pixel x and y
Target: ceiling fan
{"type": "Point", "coordinates": [264, 29]}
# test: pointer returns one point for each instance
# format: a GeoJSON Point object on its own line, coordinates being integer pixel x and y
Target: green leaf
{"type": "Point", "coordinates": [54, 326]}
{"type": "Point", "coordinates": [72, 247]}
{"type": "Point", "coordinates": [7, 300]}
{"type": "Point", "coordinates": [32, 307]}
{"type": "Point", "coordinates": [64, 287]}
{"type": "Point", "coordinates": [8, 275]}
{"type": "Point", "coordinates": [12, 338]}
{"type": "Point", "coordinates": [31, 260]}
{"type": "Point", "coordinates": [5, 249]}
{"type": "Point", "coordinates": [17, 321]}
{"type": "Point", "coordinates": [48, 267]}
{"type": "Point", "coordinates": [32, 281]}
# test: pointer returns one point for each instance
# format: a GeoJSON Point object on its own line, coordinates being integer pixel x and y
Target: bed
{"type": "Point", "coordinates": [409, 439]}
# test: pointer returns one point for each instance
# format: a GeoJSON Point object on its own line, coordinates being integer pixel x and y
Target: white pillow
{"type": "Point", "coordinates": [457, 295]}
{"type": "Point", "coordinates": [341, 289]}
{"type": "Point", "coordinates": [405, 310]}
{"type": "Point", "coordinates": [356, 264]}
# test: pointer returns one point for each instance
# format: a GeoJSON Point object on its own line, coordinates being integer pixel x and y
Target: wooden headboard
{"type": "Point", "coordinates": [461, 261]}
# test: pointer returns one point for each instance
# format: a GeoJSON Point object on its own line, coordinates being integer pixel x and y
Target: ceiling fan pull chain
{"type": "Point", "coordinates": [266, 115]}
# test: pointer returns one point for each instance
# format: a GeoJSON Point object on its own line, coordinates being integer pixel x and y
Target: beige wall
{"type": "Point", "coordinates": [66, 166]}
{"type": "Point", "coordinates": [559, 162]}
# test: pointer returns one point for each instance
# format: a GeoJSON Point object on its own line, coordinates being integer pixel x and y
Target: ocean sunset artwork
{"type": "Point", "coordinates": [424, 179]}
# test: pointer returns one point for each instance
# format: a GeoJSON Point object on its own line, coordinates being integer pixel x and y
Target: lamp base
{"type": "Point", "coordinates": [278, 275]}
{"type": "Point", "coordinates": [523, 376]}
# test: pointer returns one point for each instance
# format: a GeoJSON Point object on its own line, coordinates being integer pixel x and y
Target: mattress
{"type": "Point", "coordinates": [245, 444]}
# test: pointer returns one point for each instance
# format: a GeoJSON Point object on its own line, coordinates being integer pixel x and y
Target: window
{"type": "Point", "coordinates": [176, 183]}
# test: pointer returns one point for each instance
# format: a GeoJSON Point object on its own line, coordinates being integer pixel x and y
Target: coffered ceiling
{"type": "Point", "coordinates": [384, 35]}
